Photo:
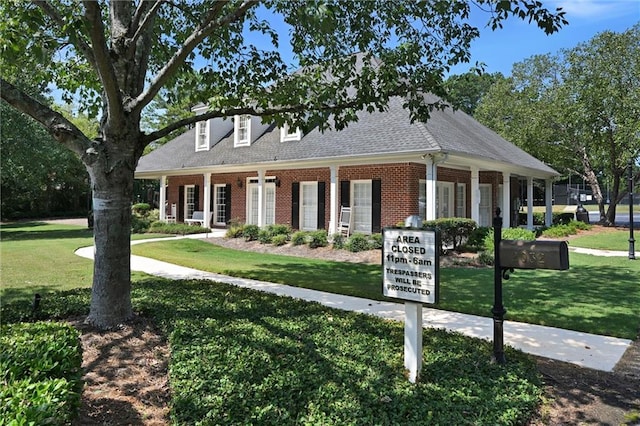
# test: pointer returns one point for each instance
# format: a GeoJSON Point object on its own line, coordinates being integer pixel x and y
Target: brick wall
{"type": "Point", "coordinates": [399, 185]}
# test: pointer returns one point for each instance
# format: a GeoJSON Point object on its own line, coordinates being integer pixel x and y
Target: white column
{"type": "Point", "coordinates": [529, 203]}
{"type": "Point", "coordinates": [413, 339]}
{"type": "Point", "coordinates": [260, 198]}
{"type": "Point", "coordinates": [430, 194]}
{"type": "Point", "coordinates": [506, 200]}
{"type": "Point", "coordinates": [548, 202]}
{"type": "Point", "coordinates": [163, 198]}
{"type": "Point", "coordinates": [475, 194]}
{"type": "Point", "coordinates": [333, 203]}
{"type": "Point", "coordinates": [207, 199]}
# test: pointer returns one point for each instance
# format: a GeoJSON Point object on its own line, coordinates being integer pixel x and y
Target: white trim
{"type": "Point", "coordinates": [287, 136]}
{"type": "Point", "coordinates": [246, 141]}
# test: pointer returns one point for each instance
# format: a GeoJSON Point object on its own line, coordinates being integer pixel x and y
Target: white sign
{"type": "Point", "coordinates": [410, 269]}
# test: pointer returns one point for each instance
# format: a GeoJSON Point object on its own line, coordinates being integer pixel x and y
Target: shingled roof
{"type": "Point", "coordinates": [375, 136]}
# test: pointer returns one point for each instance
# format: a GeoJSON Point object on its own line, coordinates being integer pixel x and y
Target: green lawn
{"type": "Point", "coordinates": [36, 257]}
{"type": "Point", "coordinates": [598, 295]}
{"type": "Point", "coordinates": [611, 239]}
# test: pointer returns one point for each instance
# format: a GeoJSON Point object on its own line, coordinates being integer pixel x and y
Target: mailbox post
{"type": "Point", "coordinates": [514, 254]}
{"type": "Point", "coordinates": [632, 248]}
{"type": "Point", "coordinates": [498, 309]}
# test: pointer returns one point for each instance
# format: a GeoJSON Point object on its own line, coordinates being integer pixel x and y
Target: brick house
{"type": "Point", "coordinates": [383, 166]}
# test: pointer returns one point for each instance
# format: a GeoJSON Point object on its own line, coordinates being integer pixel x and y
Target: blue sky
{"type": "Point", "coordinates": [519, 40]}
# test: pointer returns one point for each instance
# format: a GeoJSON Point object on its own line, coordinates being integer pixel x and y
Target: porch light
{"type": "Point", "coordinates": [239, 183]}
{"type": "Point", "coordinates": [277, 182]}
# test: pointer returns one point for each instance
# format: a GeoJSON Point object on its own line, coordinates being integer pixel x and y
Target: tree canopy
{"type": "Point", "coordinates": [119, 56]}
{"type": "Point", "coordinates": [578, 110]}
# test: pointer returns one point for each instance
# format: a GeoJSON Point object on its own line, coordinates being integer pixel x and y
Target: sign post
{"type": "Point", "coordinates": [410, 271]}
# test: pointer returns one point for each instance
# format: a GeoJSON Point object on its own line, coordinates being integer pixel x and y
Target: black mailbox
{"type": "Point", "coordinates": [519, 254]}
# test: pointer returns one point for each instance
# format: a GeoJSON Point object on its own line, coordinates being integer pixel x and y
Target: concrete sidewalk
{"type": "Point", "coordinates": [583, 349]}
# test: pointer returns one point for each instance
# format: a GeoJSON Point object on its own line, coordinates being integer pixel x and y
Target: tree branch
{"type": "Point", "coordinates": [141, 27]}
{"type": "Point", "coordinates": [77, 42]}
{"type": "Point", "coordinates": [173, 65]}
{"type": "Point", "coordinates": [56, 124]}
{"type": "Point", "coordinates": [104, 66]}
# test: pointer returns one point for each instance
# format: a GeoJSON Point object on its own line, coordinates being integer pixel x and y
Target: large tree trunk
{"type": "Point", "coordinates": [112, 178]}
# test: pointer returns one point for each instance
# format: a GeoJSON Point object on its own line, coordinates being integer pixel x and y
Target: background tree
{"type": "Point", "coordinates": [578, 110]}
{"type": "Point", "coordinates": [119, 56]}
{"type": "Point", "coordinates": [465, 91]}
{"type": "Point", "coordinates": [39, 177]}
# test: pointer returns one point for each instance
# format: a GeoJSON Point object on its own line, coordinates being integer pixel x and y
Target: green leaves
{"type": "Point", "coordinates": [40, 371]}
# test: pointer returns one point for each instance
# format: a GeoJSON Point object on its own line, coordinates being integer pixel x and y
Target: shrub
{"type": "Point", "coordinates": [358, 242]}
{"type": "Point", "coordinates": [476, 238]}
{"type": "Point", "coordinates": [563, 230]}
{"type": "Point", "coordinates": [264, 236]}
{"type": "Point", "coordinates": [376, 241]}
{"type": "Point", "coordinates": [508, 234]}
{"type": "Point", "coordinates": [250, 232]}
{"type": "Point", "coordinates": [279, 240]}
{"type": "Point", "coordinates": [562, 218]}
{"type": "Point", "coordinates": [160, 227]}
{"type": "Point", "coordinates": [485, 258]}
{"type": "Point", "coordinates": [141, 209]}
{"type": "Point", "coordinates": [299, 238]}
{"type": "Point", "coordinates": [338, 241]}
{"type": "Point", "coordinates": [142, 220]}
{"type": "Point", "coordinates": [279, 229]}
{"type": "Point", "coordinates": [234, 231]}
{"type": "Point", "coordinates": [318, 239]}
{"type": "Point", "coordinates": [454, 231]}
{"type": "Point", "coordinates": [40, 367]}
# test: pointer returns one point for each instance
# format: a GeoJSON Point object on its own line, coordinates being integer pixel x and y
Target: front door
{"type": "Point", "coordinates": [268, 199]}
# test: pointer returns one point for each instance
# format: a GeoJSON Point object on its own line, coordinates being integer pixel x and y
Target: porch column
{"type": "Point", "coordinates": [475, 195]}
{"type": "Point", "coordinates": [506, 200]}
{"type": "Point", "coordinates": [163, 198]}
{"type": "Point", "coordinates": [261, 198]}
{"type": "Point", "coordinates": [430, 193]}
{"type": "Point", "coordinates": [333, 203]}
{"type": "Point", "coordinates": [548, 202]}
{"type": "Point", "coordinates": [529, 203]}
{"type": "Point", "coordinates": [207, 199]}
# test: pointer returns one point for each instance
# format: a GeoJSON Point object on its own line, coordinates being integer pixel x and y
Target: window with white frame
{"type": "Point", "coordinates": [444, 199]}
{"type": "Point", "coordinates": [220, 206]}
{"type": "Point", "coordinates": [202, 137]}
{"type": "Point", "coordinates": [309, 206]}
{"type": "Point", "coordinates": [286, 134]}
{"type": "Point", "coordinates": [461, 200]}
{"type": "Point", "coordinates": [189, 201]}
{"type": "Point", "coordinates": [242, 130]}
{"type": "Point", "coordinates": [486, 202]}
{"type": "Point", "coordinates": [361, 205]}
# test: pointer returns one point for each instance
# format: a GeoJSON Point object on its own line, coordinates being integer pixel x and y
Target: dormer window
{"type": "Point", "coordinates": [202, 136]}
{"type": "Point", "coordinates": [242, 130]}
{"type": "Point", "coordinates": [287, 135]}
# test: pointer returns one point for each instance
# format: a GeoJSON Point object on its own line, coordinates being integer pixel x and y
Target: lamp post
{"type": "Point", "coordinates": [632, 254]}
